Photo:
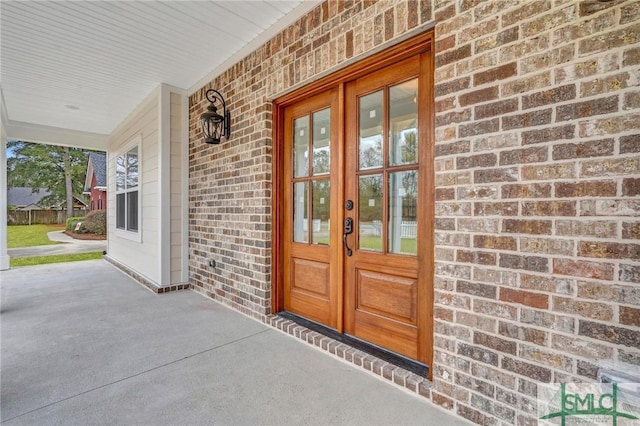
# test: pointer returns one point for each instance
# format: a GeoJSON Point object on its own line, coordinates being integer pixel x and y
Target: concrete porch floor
{"type": "Point", "coordinates": [82, 343]}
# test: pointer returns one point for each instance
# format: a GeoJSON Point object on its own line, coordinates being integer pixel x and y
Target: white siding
{"type": "Point", "coordinates": [142, 256]}
{"type": "Point", "coordinates": [176, 181]}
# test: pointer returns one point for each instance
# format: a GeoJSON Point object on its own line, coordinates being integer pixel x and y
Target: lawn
{"type": "Point", "coordinates": [57, 258]}
{"type": "Point", "coordinates": [30, 235]}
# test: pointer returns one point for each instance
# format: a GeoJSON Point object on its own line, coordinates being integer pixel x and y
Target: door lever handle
{"type": "Point", "coordinates": [348, 229]}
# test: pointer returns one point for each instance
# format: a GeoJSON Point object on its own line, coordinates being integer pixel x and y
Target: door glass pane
{"type": "Point", "coordinates": [370, 133]}
{"type": "Point", "coordinates": [321, 141]}
{"type": "Point", "coordinates": [403, 197]}
{"type": "Point", "coordinates": [403, 127]}
{"type": "Point", "coordinates": [132, 168]}
{"type": "Point", "coordinates": [370, 193]}
{"type": "Point", "coordinates": [301, 147]}
{"type": "Point", "coordinates": [300, 222]}
{"type": "Point", "coordinates": [320, 213]}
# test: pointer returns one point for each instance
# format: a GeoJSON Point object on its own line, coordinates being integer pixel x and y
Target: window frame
{"type": "Point", "coordinates": [135, 142]}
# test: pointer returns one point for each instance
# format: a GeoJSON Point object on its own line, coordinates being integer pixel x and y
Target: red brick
{"type": "Point", "coordinates": [454, 86]}
{"type": "Point", "coordinates": [476, 289]}
{"type": "Point", "coordinates": [518, 226]}
{"type": "Point", "coordinates": [551, 96]}
{"type": "Point", "coordinates": [459, 147]}
{"type": "Point", "coordinates": [631, 57]}
{"type": "Point", "coordinates": [549, 171]}
{"type": "Point", "coordinates": [495, 108]}
{"type": "Point", "coordinates": [509, 174]}
{"type": "Point", "coordinates": [599, 311]}
{"type": "Point", "coordinates": [549, 208]}
{"type": "Point", "coordinates": [631, 186]}
{"type": "Point", "coordinates": [534, 300]}
{"type": "Point", "coordinates": [585, 189]}
{"type": "Point", "coordinates": [597, 148]}
{"type": "Point", "coordinates": [525, 334]}
{"type": "Point", "coordinates": [522, 156]}
{"type": "Point", "coordinates": [494, 242]}
{"type": "Point", "coordinates": [524, 12]}
{"type": "Point", "coordinates": [495, 209]}
{"type": "Point", "coordinates": [603, 85]}
{"type": "Point", "coordinates": [631, 231]}
{"type": "Point", "coordinates": [529, 119]}
{"type": "Point", "coordinates": [590, 228]}
{"type": "Point", "coordinates": [482, 95]}
{"type": "Point", "coordinates": [499, 73]}
{"type": "Point", "coordinates": [538, 373]}
{"type": "Point", "coordinates": [608, 333]}
{"type": "Point", "coordinates": [453, 117]}
{"type": "Point", "coordinates": [587, 108]}
{"type": "Point", "coordinates": [630, 316]}
{"type": "Point", "coordinates": [548, 134]}
{"type": "Point", "coordinates": [476, 257]}
{"type": "Point", "coordinates": [451, 56]}
{"type": "Point", "coordinates": [581, 268]}
{"type": "Point", "coordinates": [608, 250]}
{"type": "Point", "coordinates": [610, 40]}
{"type": "Point", "coordinates": [479, 160]}
{"type": "Point", "coordinates": [496, 40]}
{"type": "Point", "coordinates": [527, 263]}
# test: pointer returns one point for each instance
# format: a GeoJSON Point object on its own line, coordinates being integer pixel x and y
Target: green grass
{"type": "Point", "coordinates": [407, 245]}
{"type": "Point", "coordinates": [30, 235]}
{"type": "Point", "coordinates": [58, 258]}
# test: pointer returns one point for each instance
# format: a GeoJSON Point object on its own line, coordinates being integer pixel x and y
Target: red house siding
{"type": "Point", "coordinates": [98, 197]}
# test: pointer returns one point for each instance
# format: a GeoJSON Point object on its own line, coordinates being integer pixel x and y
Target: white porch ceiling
{"type": "Point", "coordinates": [84, 65]}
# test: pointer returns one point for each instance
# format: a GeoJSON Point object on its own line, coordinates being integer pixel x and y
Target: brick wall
{"type": "Point", "coordinates": [537, 169]}
{"type": "Point", "coordinates": [537, 185]}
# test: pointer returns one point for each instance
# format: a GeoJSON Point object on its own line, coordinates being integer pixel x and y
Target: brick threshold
{"type": "Point", "coordinates": [395, 374]}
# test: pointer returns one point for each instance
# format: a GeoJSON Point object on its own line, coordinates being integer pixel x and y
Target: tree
{"type": "Point", "coordinates": [59, 169]}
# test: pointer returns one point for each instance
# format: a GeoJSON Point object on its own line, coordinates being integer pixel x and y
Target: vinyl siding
{"type": "Point", "coordinates": [139, 256]}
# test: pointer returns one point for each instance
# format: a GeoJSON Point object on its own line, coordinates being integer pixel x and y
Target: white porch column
{"type": "Point", "coordinates": [4, 256]}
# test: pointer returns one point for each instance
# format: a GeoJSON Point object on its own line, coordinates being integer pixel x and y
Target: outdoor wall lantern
{"type": "Point", "coordinates": [215, 125]}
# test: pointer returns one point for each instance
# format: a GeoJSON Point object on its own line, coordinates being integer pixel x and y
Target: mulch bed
{"type": "Point", "coordinates": [85, 236]}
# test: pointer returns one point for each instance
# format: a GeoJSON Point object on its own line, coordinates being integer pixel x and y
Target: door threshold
{"type": "Point", "coordinates": [391, 357]}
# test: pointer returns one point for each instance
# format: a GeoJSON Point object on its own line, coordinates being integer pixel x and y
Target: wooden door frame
{"type": "Point", "coordinates": [419, 44]}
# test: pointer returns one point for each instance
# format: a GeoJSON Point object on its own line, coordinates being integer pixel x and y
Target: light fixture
{"type": "Point", "coordinates": [215, 125]}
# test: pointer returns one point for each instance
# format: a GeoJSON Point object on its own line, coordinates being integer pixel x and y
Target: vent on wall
{"type": "Point", "coordinates": [628, 382]}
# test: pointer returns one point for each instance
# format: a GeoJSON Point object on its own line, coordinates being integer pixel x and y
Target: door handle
{"type": "Point", "coordinates": [348, 229]}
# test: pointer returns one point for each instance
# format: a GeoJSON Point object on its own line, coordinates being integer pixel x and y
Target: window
{"type": "Point", "coordinates": [100, 204]}
{"type": "Point", "coordinates": [127, 191]}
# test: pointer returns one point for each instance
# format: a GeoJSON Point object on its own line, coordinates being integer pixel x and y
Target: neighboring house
{"type": "Point", "coordinates": [507, 131]}
{"type": "Point", "coordinates": [22, 198]}
{"type": "Point", "coordinates": [95, 184]}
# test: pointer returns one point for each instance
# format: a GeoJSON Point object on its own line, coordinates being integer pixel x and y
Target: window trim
{"type": "Point", "coordinates": [136, 236]}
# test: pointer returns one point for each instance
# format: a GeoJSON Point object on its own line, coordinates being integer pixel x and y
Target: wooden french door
{"type": "Point", "coordinates": [357, 207]}
{"type": "Point", "coordinates": [312, 277]}
{"type": "Point", "coordinates": [387, 173]}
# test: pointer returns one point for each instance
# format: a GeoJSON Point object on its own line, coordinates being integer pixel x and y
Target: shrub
{"type": "Point", "coordinates": [95, 222]}
{"type": "Point", "coordinates": [72, 222]}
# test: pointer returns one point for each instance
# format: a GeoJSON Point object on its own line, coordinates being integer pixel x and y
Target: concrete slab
{"type": "Point", "coordinates": [84, 344]}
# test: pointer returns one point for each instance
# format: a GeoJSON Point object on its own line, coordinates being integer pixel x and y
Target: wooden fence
{"type": "Point", "coordinates": [33, 217]}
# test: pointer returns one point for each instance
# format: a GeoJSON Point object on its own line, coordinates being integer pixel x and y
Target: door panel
{"type": "Point", "coordinates": [384, 178]}
{"type": "Point", "coordinates": [311, 275]}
